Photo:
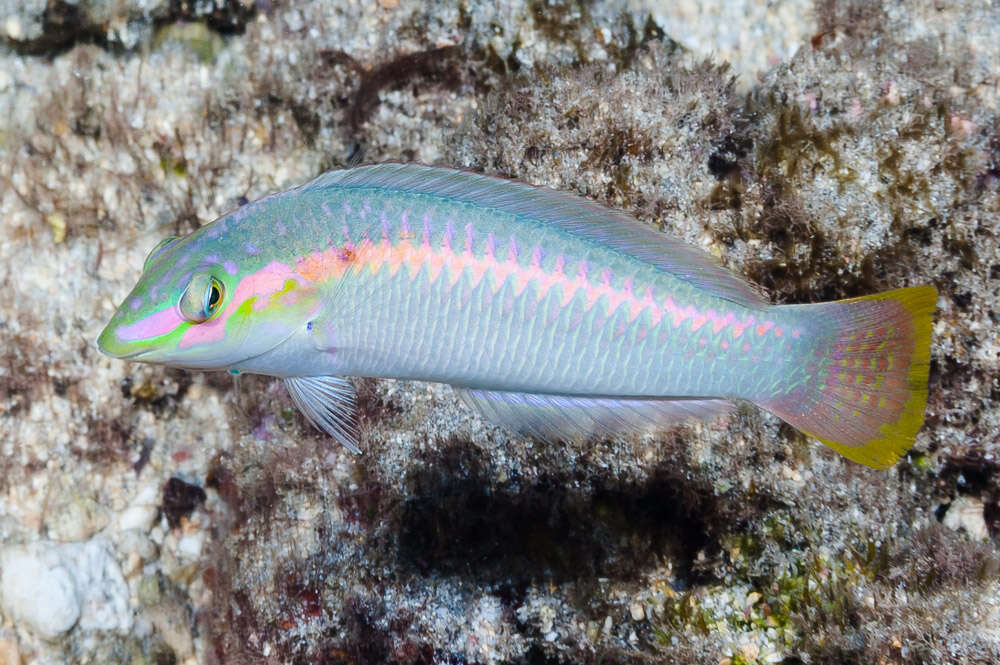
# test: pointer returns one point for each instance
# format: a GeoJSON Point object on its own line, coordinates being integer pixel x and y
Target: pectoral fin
{"type": "Point", "coordinates": [328, 402]}
{"type": "Point", "coordinates": [562, 417]}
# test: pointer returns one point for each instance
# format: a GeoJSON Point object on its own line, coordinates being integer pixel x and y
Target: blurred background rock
{"type": "Point", "coordinates": [822, 149]}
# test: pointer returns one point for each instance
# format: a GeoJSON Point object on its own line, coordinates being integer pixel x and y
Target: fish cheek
{"type": "Point", "coordinates": [254, 331]}
{"type": "Point", "coordinates": [240, 324]}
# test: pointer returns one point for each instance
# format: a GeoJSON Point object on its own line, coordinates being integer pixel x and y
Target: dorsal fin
{"type": "Point", "coordinates": [569, 212]}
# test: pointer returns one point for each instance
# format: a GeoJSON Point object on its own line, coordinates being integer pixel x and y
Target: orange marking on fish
{"type": "Point", "coordinates": [435, 264]}
{"type": "Point", "coordinates": [323, 265]}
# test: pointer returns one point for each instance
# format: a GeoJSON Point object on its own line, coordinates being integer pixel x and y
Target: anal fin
{"type": "Point", "coordinates": [328, 402]}
{"type": "Point", "coordinates": [564, 417]}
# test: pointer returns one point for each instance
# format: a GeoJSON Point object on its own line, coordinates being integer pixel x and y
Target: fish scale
{"type": "Point", "coordinates": [552, 343]}
{"type": "Point", "coordinates": [557, 348]}
{"type": "Point", "coordinates": [554, 316]}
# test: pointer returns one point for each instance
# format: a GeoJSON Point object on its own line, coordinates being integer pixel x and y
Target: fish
{"type": "Point", "coordinates": [555, 316]}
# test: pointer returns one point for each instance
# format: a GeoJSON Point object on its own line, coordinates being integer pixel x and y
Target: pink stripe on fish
{"type": "Point", "coordinates": [546, 280]}
{"type": "Point", "coordinates": [571, 282]}
{"type": "Point", "coordinates": [157, 324]}
{"type": "Point", "coordinates": [720, 322]}
{"type": "Point", "coordinates": [579, 283]}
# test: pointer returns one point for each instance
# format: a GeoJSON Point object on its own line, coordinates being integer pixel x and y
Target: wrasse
{"type": "Point", "coordinates": [554, 316]}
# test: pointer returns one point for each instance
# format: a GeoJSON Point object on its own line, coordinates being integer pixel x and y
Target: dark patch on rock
{"type": "Point", "coordinates": [538, 655]}
{"type": "Point", "coordinates": [372, 407]}
{"type": "Point", "coordinates": [180, 498]}
{"type": "Point", "coordinates": [962, 300]}
{"type": "Point", "coordinates": [859, 19]}
{"type": "Point", "coordinates": [227, 17]}
{"type": "Point", "coordinates": [456, 520]}
{"type": "Point", "coordinates": [436, 67]}
{"type": "Point", "coordinates": [729, 157]}
{"type": "Point", "coordinates": [569, 23]}
{"type": "Point", "coordinates": [161, 392]}
{"type": "Point", "coordinates": [109, 442]}
{"type": "Point", "coordinates": [64, 24]}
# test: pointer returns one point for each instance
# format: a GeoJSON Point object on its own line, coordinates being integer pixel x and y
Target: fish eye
{"type": "Point", "coordinates": [153, 253]}
{"type": "Point", "coordinates": [213, 297]}
{"type": "Point", "coordinates": [202, 299]}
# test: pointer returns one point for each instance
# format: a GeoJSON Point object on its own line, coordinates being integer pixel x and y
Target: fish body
{"type": "Point", "coordinates": [553, 315]}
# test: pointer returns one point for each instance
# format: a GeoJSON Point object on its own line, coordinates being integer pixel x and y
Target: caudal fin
{"type": "Point", "coordinates": [868, 386]}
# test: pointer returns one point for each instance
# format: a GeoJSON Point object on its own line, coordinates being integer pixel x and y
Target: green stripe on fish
{"type": "Point", "coordinates": [554, 316]}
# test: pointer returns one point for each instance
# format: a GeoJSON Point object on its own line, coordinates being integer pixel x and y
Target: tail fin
{"type": "Point", "coordinates": [868, 388]}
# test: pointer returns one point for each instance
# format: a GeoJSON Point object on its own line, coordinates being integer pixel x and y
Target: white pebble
{"type": "Point", "coordinates": [142, 512]}
{"type": "Point", "coordinates": [966, 513]}
{"type": "Point", "coordinates": [39, 590]}
{"type": "Point", "coordinates": [189, 547]}
{"type": "Point", "coordinates": [12, 27]}
{"type": "Point", "coordinates": [51, 588]}
{"type": "Point", "coordinates": [105, 594]}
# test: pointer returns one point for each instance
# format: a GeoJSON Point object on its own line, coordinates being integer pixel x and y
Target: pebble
{"type": "Point", "coordinates": [637, 612]}
{"type": "Point", "coordinates": [74, 515]}
{"type": "Point", "coordinates": [142, 512]}
{"type": "Point", "coordinates": [50, 588]}
{"type": "Point", "coordinates": [189, 546]}
{"type": "Point", "coordinates": [12, 27]}
{"type": "Point", "coordinates": [749, 651]}
{"type": "Point", "coordinates": [966, 513]}
{"type": "Point", "coordinates": [173, 624]}
{"type": "Point", "coordinates": [39, 589]}
{"type": "Point", "coordinates": [58, 225]}
{"type": "Point", "coordinates": [546, 617]}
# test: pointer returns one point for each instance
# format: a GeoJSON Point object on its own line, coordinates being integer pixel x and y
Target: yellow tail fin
{"type": "Point", "coordinates": [868, 393]}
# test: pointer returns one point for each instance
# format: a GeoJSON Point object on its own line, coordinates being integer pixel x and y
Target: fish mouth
{"type": "Point", "coordinates": [134, 355]}
{"type": "Point", "coordinates": [109, 346]}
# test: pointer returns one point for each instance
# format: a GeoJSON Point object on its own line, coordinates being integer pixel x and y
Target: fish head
{"type": "Point", "coordinates": [200, 304]}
